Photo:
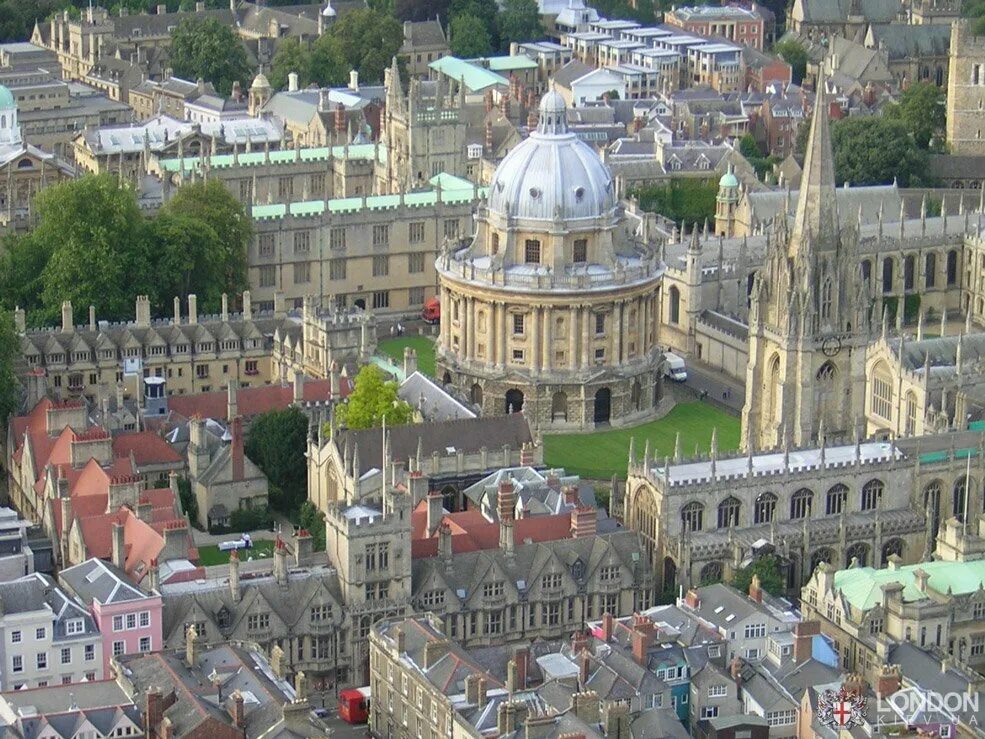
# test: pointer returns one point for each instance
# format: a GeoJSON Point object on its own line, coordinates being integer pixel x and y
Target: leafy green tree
{"type": "Point", "coordinates": [17, 17]}
{"type": "Point", "coordinates": [420, 10]}
{"type": "Point", "coordinates": [770, 576]}
{"type": "Point", "coordinates": [519, 21]}
{"type": "Point", "coordinates": [372, 399]}
{"type": "Point", "coordinates": [291, 56]}
{"type": "Point", "coordinates": [794, 54]}
{"type": "Point", "coordinates": [873, 150]}
{"type": "Point", "coordinates": [276, 443]}
{"type": "Point", "coordinates": [922, 109]}
{"type": "Point", "coordinates": [487, 12]}
{"type": "Point", "coordinates": [364, 39]}
{"type": "Point", "coordinates": [10, 350]}
{"type": "Point", "coordinates": [250, 519]}
{"type": "Point", "coordinates": [189, 258]}
{"type": "Point", "coordinates": [93, 231]}
{"type": "Point", "coordinates": [469, 37]}
{"type": "Point", "coordinates": [205, 48]}
{"type": "Point", "coordinates": [22, 262]}
{"type": "Point", "coordinates": [313, 520]}
{"type": "Point", "coordinates": [212, 205]}
{"type": "Point", "coordinates": [623, 10]}
{"type": "Point", "coordinates": [685, 201]}
{"type": "Point", "coordinates": [189, 503]}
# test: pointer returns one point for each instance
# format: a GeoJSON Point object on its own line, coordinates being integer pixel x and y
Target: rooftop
{"type": "Point", "coordinates": [862, 586]}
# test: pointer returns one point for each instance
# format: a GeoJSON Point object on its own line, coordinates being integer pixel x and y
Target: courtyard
{"type": "Point", "coordinates": [599, 456]}
{"type": "Point", "coordinates": [423, 345]}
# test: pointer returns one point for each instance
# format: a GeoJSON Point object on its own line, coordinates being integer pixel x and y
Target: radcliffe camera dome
{"type": "Point", "coordinates": [552, 173]}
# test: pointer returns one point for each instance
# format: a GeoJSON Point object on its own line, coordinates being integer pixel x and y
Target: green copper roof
{"type": "Point", "coordinates": [373, 202]}
{"type": "Point", "coordinates": [450, 182]}
{"type": "Point", "coordinates": [476, 78]}
{"type": "Point", "coordinates": [509, 63]}
{"type": "Point", "coordinates": [943, 456]}
{"type": "Point", "coordinates": [862, 586]}
{"type": "Point", "coordinates": [6, 99]}
{"type": "Point", "coordinates": [278, 156]}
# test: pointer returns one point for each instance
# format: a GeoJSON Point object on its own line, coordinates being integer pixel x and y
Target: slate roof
{"type": "Point", "coordinates": [766, 205]}
{"type": "Point", "coordinates": [467, 435]}
{"type": "Point", "coordinates": [837, 11]}
{"type": "Point", "coordinates": [902, 41]}
{"type": "Point", "coordinates": [423, 33]}
{"type": "Point", "coordinates": [97, 580]}
{"type": "Point", "coordinates": [434, 402]}
{"type": "Point", "coordinates": [38, 592]}
{"type": "Point", "coordinates": [570, 72]}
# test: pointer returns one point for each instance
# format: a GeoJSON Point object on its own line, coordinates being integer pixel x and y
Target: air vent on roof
{"type": "Point", "coordinates": [729, 617]}
{"type": "Point", "coordinates": [719, 609]}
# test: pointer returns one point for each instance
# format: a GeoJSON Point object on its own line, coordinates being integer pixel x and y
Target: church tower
{"type": "Point", "coordinates": [809, 318]}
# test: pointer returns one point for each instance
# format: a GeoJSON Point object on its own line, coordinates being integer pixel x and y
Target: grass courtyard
{"type": "Point", "coordinates": [210, 555]}
{"type": "Point", "coordinates": [394, 349]}
{"type": "Point", "coordinates": [601, 455]}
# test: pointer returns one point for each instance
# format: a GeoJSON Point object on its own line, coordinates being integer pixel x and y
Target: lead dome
{"type": "Point", "coordinates": [552, 174]}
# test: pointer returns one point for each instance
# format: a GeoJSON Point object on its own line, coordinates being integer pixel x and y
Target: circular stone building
{"type": "Point", "coordinates": [553, 307]}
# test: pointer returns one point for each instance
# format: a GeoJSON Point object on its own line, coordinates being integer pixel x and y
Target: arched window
{"type": "Point", "coordinates": [824, 554]}
{"type": "Point", "coordinates": [857, 553]}
{"type": "Point", "coordinates": [675, 304]}
{"type": "Point", "coordinates": [887, 275]}
{"type": "Point", "coordinates": [826, 291]}
{"type": "Point", "coordinates": [728, 513]}
{"type": "Point", "coordinates": [835, 500]}
{"type": "Point", "coordinates": [773, 389]}
{"type": "Point", "coordinates": [909, 272]}
{"type": "Point", "coordinates": [866, 270]}
{"type": "Point", "coordinates": [930, 269]}
{"type": "Point", "coordinates": [959, 497]}
{"type": "Point", "coordinates": [476, 394]}
{"type": "Point", "coordinates": [636, 396]}
{"type": "Point", "coordinates": [711, 573]}
{"type": "Point", "coordinates": [800, 503]}
{"type": "Point", "coordinates": [692, 516]}
{"type": "Point", "coordinates": [911, 413]}
{"type": "Point", "coordinates": [932, 504]}
{"type": "Point", "coordinates": [891, 547]}
{"type": "Point", "coordinates": [765, 508]}
{"type": "Point", "coordinates": [882, 391]}
{"type": "Point", "coordinates": [871, 495]}
{"type": "Point", "coordinates": [952, 267]}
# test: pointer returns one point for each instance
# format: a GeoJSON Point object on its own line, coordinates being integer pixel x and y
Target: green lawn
{"type": "Point", "coordinates": [599, 456]}
{"type": "Point", "coordinates": [210, 554]}
{"type": "Point", "coordinates": [394, 348]}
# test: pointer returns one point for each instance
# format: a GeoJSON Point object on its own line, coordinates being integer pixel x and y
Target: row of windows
{"type": "Point", "coordinates": [765, 506]}
{"type": "Point", "coordinates": [65, 656]}
{"type": "Point", "coordinates": [909, 271]}
{"type": "Point", "coordinates": [302, 240]}
{"type": "Point", "coordinates": [338, 270]}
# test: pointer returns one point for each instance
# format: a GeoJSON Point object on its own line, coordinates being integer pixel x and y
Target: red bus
{"type": "Point", "coordinates": [431, 313]}
{"type": "Point", "coordinates": [354, 705]}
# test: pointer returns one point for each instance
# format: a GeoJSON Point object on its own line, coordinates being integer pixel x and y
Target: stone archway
{"type": "Point", "coordinates": [603, 405]}
{"type": "Point", "coordinates": [514, 400]}
{"type": "Point", "coordinates": [559, 406]}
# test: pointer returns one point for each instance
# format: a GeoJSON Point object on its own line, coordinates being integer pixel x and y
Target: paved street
{"type": "Point", "coordinates": [719, 387]}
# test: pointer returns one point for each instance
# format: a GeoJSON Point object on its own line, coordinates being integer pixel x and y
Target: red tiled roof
{"type": "Point", "coordinates": [251, 401]}
{"type": "Point", "coordinates": [472, 532]}
{"type": "Point", "coordinates": [148, 448]}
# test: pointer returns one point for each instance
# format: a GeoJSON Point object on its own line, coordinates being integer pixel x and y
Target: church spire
{"type": "Point", "coordinates": [816, 218]}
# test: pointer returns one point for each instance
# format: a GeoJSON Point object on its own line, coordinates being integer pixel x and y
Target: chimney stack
{"type": "Point", "coordinates": [608, 626]}
{"type": "Point", "coordinates": [237, 448]}
{"type": "Point", "coordinates": [803, 640]}
{"type": "Point", "coordinates": [119, 546]}
{"type": "Point", "coordinates": [692, 600]}
{"type": "Point", "coordinates": [435, 511]}
{"type": "Point", "coordinates": [298, 388]}
{"type": "Point", "coordinates": [68, 324]}
{"type": "Point", "coordinates": [192, 309]}
{"type": "Point", "coordinates": [280, 562]}
{"type": "Point", "coordinates": [756, 589]}
{"type": "Point", "coordinates": [234, 592]}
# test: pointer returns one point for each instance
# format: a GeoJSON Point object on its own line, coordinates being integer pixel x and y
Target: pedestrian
{"type": "Point", "coordinates": [393, 330]}
{"type": "Point", "coordinates": [725, 395]}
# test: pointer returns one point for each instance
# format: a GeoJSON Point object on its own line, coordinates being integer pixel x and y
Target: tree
{"type": "Point", "coordinates": [487, 12]}
{"type": "Point", "coordinates": [420, 10]}
{"type": "Point", "coordinates": [613, 94]}
{"type": "Point", "coordinates": [921, 108]}
{"type": "Point", "coordinates": [189, 258]}
{"type": "Point", "coordinates": [212, 205]}
{"type": "Point", "coordinates": [469, 37]}
{"type": "Point", "coordinates": [365, 40]}
{"type": "Point", "coordinates": [290, 56]}
{"type": "Point", "coordinates": [328, 65]}
{"type": "Point", "coordinates": [874, 150]}
{"type": "Point", "coordinates": [770, 576]}
{"type": "Point", "coordinates": [205, 48]}
{"type": "Point", "coordinates": [189, 503]}
{"type": "Point", "coordinates": [313, 521]}
{"type": "Point", "coordinates": [519, 21]}
{"type": "Point", "coordinates": [685, 201]}
{"type": "Point", "coordinates": [10, 351]}
{"type": "Point", "coordinates": [93, 231]}
{"type": "Point", "coordinates": [276, 443]}
{"type": "Point", "coordinates": [372, 399]}
{"type": "Point", "coordinates": [794, 54]}
{"type": "Point", "coordinates": [22, 262]}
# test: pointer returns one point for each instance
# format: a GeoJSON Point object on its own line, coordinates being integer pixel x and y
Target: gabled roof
{"type": "Point", "coordinates": [96, 580]}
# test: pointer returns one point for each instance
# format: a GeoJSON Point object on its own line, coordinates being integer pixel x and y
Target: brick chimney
{"type": "Point", "coordinates": [505, 500]}
{"type": "Point", "coordinates": [239, 712]}
{"type": "Point", "coordinates": [522, 658]}
{"type": "Point", "coordinates": [584, 658]}
{"type": "Point", "coordinates": [692, 600]}
{"type": "Point", "coordinates": [586, 706]}
{"type": "Point", "coordinates": [755, 589]}
{"type": "Point", "coordinates": [236, 450]}
{"type": "Point", "coordinates": [489, 137]}
{"type": "Point", "coordinates": [303, 546]}
{"type": "Point", "coordinates": [340, 118]}
{"type": "Point", "coordinates": [889, 681]}
{"type": "Point", "coordinates": [643, 636]}
{"type": "Point", "coordinates": [434, 651]}
{"type": "Point", "coordinates": [280, 562]}
{"type": "Point", "coordinates": [803, 639]}
{"type": "Point", "coordinates": [584, 522]}
{"type": "Point", "coordinates": [608, 626]}
{"type": "Point", "coordinates": [735, 670]}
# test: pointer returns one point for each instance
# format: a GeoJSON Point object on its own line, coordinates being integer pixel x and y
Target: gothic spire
{"type": "Point", "coordinates": [817, 210]}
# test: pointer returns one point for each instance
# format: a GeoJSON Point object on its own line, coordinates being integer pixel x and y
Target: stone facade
{"type": "Point", "coordinates": [552, 307]}
{"type": "Point", "coordinates": [965, 92]}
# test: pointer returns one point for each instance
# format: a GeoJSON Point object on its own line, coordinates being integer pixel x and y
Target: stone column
{"type": "Point", "coordinates": [548, 363]}
{"type": "Point", "coordinates": [534, 339]}
{"type": "Point", "coordinates": [586, 338]}
{"type": "Point", "coordinates": [444, 326]}
{"type": "Point", "coordinates": [501, 334]}
{"type": "Point", "coordinates": [573, 337]}
{"type": "Point", "coordinates": [470, 328]}
{"type": "Point", "coordinates": [641, 328]}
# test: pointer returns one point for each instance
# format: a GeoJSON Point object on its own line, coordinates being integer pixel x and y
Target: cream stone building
{"type": "Point", "coordinates": [194, 354]}
{"type": "Point", "coordinates": [552, 307]}
{"type": "Point", "coordinates": [965, 92]}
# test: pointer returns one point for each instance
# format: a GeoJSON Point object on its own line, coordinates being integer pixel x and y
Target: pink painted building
{"type": "Point", "coordinates": [128, 618]}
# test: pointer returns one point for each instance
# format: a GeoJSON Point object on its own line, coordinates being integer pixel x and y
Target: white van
{"type": "Point", "coordinates": [675, 368]}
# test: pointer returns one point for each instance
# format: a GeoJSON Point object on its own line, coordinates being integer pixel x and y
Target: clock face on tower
{"type": "Point", "coordinates": [830, 346]}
